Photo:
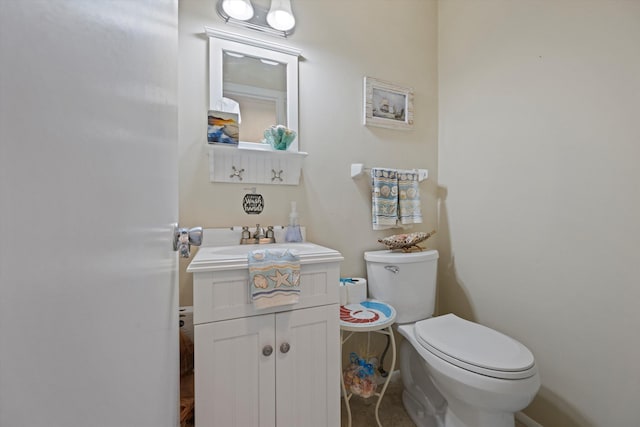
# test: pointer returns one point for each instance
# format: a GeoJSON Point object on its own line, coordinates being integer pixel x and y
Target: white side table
{"type": "Point", "coordinates": [368, 316]}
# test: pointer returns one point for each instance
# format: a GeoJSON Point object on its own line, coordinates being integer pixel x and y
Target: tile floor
{"type": "Point", "coordinates": [392, 413]}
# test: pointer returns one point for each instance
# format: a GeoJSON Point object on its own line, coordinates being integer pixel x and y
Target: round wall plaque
{"type": "Point", "coordinates": [253, 203]}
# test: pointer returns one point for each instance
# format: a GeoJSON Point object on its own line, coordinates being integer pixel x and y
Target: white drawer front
{"type": "Point", "coordinates": [220, 295]}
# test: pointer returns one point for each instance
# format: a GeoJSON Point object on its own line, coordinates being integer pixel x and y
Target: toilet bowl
{"type": "Point", "coordinates": [455, 373]}
{"type": "Point", "coordinates": [475, 394]}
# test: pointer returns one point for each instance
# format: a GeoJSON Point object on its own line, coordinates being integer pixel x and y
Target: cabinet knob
{"type": "Point", "coordinates": [267, 350]}
{"type": "Point", "coordinates": [285, 347]}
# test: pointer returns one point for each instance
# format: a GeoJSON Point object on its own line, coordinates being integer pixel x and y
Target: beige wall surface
{"type": "Point", "coordinates": [539, 141]}
{"type": "Point", "coordinates": [341, 42]}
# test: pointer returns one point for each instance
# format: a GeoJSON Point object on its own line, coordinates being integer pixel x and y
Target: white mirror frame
{"type": "Point", "coordinates": [220, 41]}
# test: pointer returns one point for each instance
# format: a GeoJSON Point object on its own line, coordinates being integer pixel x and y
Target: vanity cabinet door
{"type": "Point", "coordinates": [308, 367]}
{"type": "Point", "coordinates": [235, 373]}
{"type": "Point", "coordinates": [284, 367]}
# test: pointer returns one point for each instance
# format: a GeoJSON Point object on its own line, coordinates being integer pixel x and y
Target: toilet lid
{"type": "Point", "coordinates": [475, 347]}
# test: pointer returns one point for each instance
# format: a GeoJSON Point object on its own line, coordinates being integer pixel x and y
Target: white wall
{"type": "Point", "coordinates": [539, 216]}
{"type": "Point", "coordinates": [341, 42]}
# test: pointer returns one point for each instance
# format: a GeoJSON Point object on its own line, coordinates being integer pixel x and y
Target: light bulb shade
{"type": "Point", "coordinates": [238, 9]}
{"type": "Point", "coordinates": [280, 16]}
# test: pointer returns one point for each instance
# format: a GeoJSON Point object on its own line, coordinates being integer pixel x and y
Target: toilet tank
{"type": "Point", "coordinates": [407, 281]}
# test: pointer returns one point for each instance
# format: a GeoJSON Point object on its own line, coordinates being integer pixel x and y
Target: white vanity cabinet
{"type": "Point", "coordinates": [240, 383]}
{"type": "Point", "coordinates": [277, 367]}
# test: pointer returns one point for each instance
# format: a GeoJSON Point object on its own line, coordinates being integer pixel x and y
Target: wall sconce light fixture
{"type": "Point", "coordinates": [277, 20]}
{"type": "Point", "coordinates": [280, 16]}
{"type": "Point", "coordinates": [238, 9]}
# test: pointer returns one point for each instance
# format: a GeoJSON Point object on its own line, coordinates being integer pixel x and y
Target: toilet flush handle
{"type": "Point", "coordinates": [392, 268]}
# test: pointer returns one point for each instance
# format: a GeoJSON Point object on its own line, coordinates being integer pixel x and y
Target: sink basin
{"type": "Point", "coordinates": [235, 256]}
{"type": "Point", "coordinates": [231, 251]}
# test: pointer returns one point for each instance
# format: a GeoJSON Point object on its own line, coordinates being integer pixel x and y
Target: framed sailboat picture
{"type": "Point", "coordinates": [387, 105]}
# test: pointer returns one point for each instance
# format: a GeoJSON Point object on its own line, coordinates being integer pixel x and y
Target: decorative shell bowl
{"type": "Point", "coordinates": [406, 242]}
{"type": "Point", "coordinates": [280, 137]}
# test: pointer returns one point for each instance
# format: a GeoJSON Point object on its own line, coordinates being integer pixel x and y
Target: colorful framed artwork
{"type": "Point", "coordinates": [222, 128]}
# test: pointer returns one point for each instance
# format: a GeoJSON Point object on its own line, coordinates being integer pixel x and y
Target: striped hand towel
{"type": "Point", "coordinates": [409, 197]}
{"type": "Point", "coordinates": [384, 198]}
{"type": "Point", "coordinates": [274, 277]}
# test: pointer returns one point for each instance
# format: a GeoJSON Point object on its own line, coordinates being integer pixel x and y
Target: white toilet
{"type": "Point", "coordinates": [456, 373]}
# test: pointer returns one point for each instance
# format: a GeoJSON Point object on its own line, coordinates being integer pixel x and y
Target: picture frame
{"type": "Point", "coordinates": [222, 128]}
{"type": "Point", "coordinates": [387, 105]}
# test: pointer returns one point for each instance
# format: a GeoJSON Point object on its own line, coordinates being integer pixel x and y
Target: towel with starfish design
{"type": "Point", "coordinates": [274, 277]}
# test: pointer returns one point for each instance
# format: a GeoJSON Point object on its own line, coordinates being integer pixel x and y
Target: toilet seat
{"type": "Point", "coordinates": [475, 348]}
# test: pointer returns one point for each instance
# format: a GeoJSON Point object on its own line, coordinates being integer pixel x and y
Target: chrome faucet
{"type": "Point", "coordinates": [260, 236]}
{"type": "Point", "coordinates": [270, 234]}
{"type": "Point", "coordinates": [245, 237]}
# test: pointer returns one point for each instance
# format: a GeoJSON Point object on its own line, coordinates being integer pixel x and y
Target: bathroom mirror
{"type": "Point", "coordinates": [259, 78]}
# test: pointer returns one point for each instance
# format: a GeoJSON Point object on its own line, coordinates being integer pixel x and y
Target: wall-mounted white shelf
{"type": "Point", "coordinates": [358, 169]}
{"type": "Point", "coordinates": [254, 164]}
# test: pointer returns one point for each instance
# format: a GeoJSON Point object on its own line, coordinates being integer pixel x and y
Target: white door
{"type": "Point", "coordinates": [88, 191]}
{"type": "Point", "coordinates": [235, 373]}
{"type": "Point", "coordinates": [308, 367]}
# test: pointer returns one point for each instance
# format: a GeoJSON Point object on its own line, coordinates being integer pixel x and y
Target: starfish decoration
{"type": "Point", "coordinates": [280, 279]}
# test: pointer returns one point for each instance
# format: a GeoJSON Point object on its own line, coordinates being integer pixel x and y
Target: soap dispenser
{"type": "Point", "coordinates": [293, 233]}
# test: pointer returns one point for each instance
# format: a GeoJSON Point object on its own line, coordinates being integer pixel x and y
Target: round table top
{"type": "Point", "coordinates": [369, 315]}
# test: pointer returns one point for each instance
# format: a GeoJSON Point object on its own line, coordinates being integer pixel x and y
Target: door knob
{"type": "Point", "coordinates": [267, 350]}
{"type": "Point", "coordinates": [285, 347]}
{"type": "Point", "coordinates": [183, 238]}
